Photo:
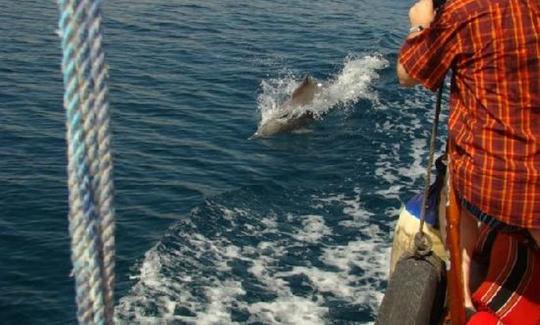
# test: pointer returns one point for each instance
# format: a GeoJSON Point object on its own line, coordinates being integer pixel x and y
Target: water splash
{"type": "Point", "coordinates": [343, 89]}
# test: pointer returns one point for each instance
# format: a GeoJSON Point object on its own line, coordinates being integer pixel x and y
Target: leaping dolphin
{"type": "Point", "coordinates": [303, 95]}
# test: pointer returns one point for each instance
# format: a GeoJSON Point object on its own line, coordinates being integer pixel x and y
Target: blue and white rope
{"type": "Point", "coordinates": [90, 183]}
{"type": "Point", "coordinates": [103, 180]}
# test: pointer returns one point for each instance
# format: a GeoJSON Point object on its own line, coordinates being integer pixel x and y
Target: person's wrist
{"type": "Point", "coordinates": [412, 35]}
{"type": "Point", "coordinates": [416, 30]}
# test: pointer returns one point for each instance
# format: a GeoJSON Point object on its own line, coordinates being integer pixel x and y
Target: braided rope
{"type": "Point", "coordinates": [91, 214]}
{"type": "Point", "coordinates": [104, 173]}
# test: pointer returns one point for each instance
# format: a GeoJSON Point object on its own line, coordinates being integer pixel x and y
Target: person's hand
{"type": "Point", "coordinates": [422, 13]}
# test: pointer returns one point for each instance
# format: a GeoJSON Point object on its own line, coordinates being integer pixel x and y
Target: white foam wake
{"type": "Point", "coordinates": [343, 89]}
{"type": "Point", "coordinates": [194, 279]}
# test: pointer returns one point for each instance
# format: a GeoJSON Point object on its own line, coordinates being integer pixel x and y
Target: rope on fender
{"type": "Point", "coordinates": [91, 191]}
{"type": "Point", "coordinates": [422, 243]}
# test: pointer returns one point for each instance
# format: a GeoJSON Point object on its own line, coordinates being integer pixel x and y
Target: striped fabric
{"type": "Point", "coordinates": [511, 290]}
{"type": "Point", "coordinates": [489, 220]}
{"type": "Point", "coordinates": [484, 318]}
{"type": "Point", "coordinates": [493, 48]}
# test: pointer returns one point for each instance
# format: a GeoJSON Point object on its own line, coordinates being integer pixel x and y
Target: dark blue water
{"type": "Point", "coordinates": [213, 228]}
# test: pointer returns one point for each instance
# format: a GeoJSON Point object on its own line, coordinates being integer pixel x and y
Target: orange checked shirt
{"type": "Point", "coordinates": [493, 48]}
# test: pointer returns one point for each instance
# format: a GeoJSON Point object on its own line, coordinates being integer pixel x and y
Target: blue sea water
{"type": "Point", "coordinates": [214, 227]}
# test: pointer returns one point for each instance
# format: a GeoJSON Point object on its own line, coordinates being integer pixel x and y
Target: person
{"type": "Point", "coordinates": [493, 50]}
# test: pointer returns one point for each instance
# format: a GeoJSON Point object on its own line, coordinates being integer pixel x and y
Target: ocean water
{"type": "Point", "coordinates": [214, 227]}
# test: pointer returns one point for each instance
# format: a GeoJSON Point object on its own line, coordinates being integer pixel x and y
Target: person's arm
{"type": "Point", "coordinates": [420, 14]}
{"type": "Point", "coordinates": [404, 78]}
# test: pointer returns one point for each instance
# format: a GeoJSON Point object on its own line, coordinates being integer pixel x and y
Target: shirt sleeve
{"type": "Point", "coordinates": [428, 56]}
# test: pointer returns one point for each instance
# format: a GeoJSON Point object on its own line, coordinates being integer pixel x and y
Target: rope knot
{"type": "Point", "coordinates": [422, 245]}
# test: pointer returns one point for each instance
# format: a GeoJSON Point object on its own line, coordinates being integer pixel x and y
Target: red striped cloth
{"type": "Point", "coordinates": [484, 318]}
{"type": "Point", "coordinates": [493, 48]}
{"type": "Point", "coordinates": [511, 290]}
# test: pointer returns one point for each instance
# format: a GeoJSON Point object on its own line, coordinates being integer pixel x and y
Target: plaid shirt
{"type": "Point", "coordinates": [493, 48]}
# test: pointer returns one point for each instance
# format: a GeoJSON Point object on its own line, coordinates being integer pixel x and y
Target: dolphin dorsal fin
{"type": "Point", "coordinates": [301, 86]}
{"type": "Point", "coordinates": [306, 79]}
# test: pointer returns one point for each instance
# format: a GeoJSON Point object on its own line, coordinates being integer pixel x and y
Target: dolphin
{"type": "Point", "coordinates": [303, 95]}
